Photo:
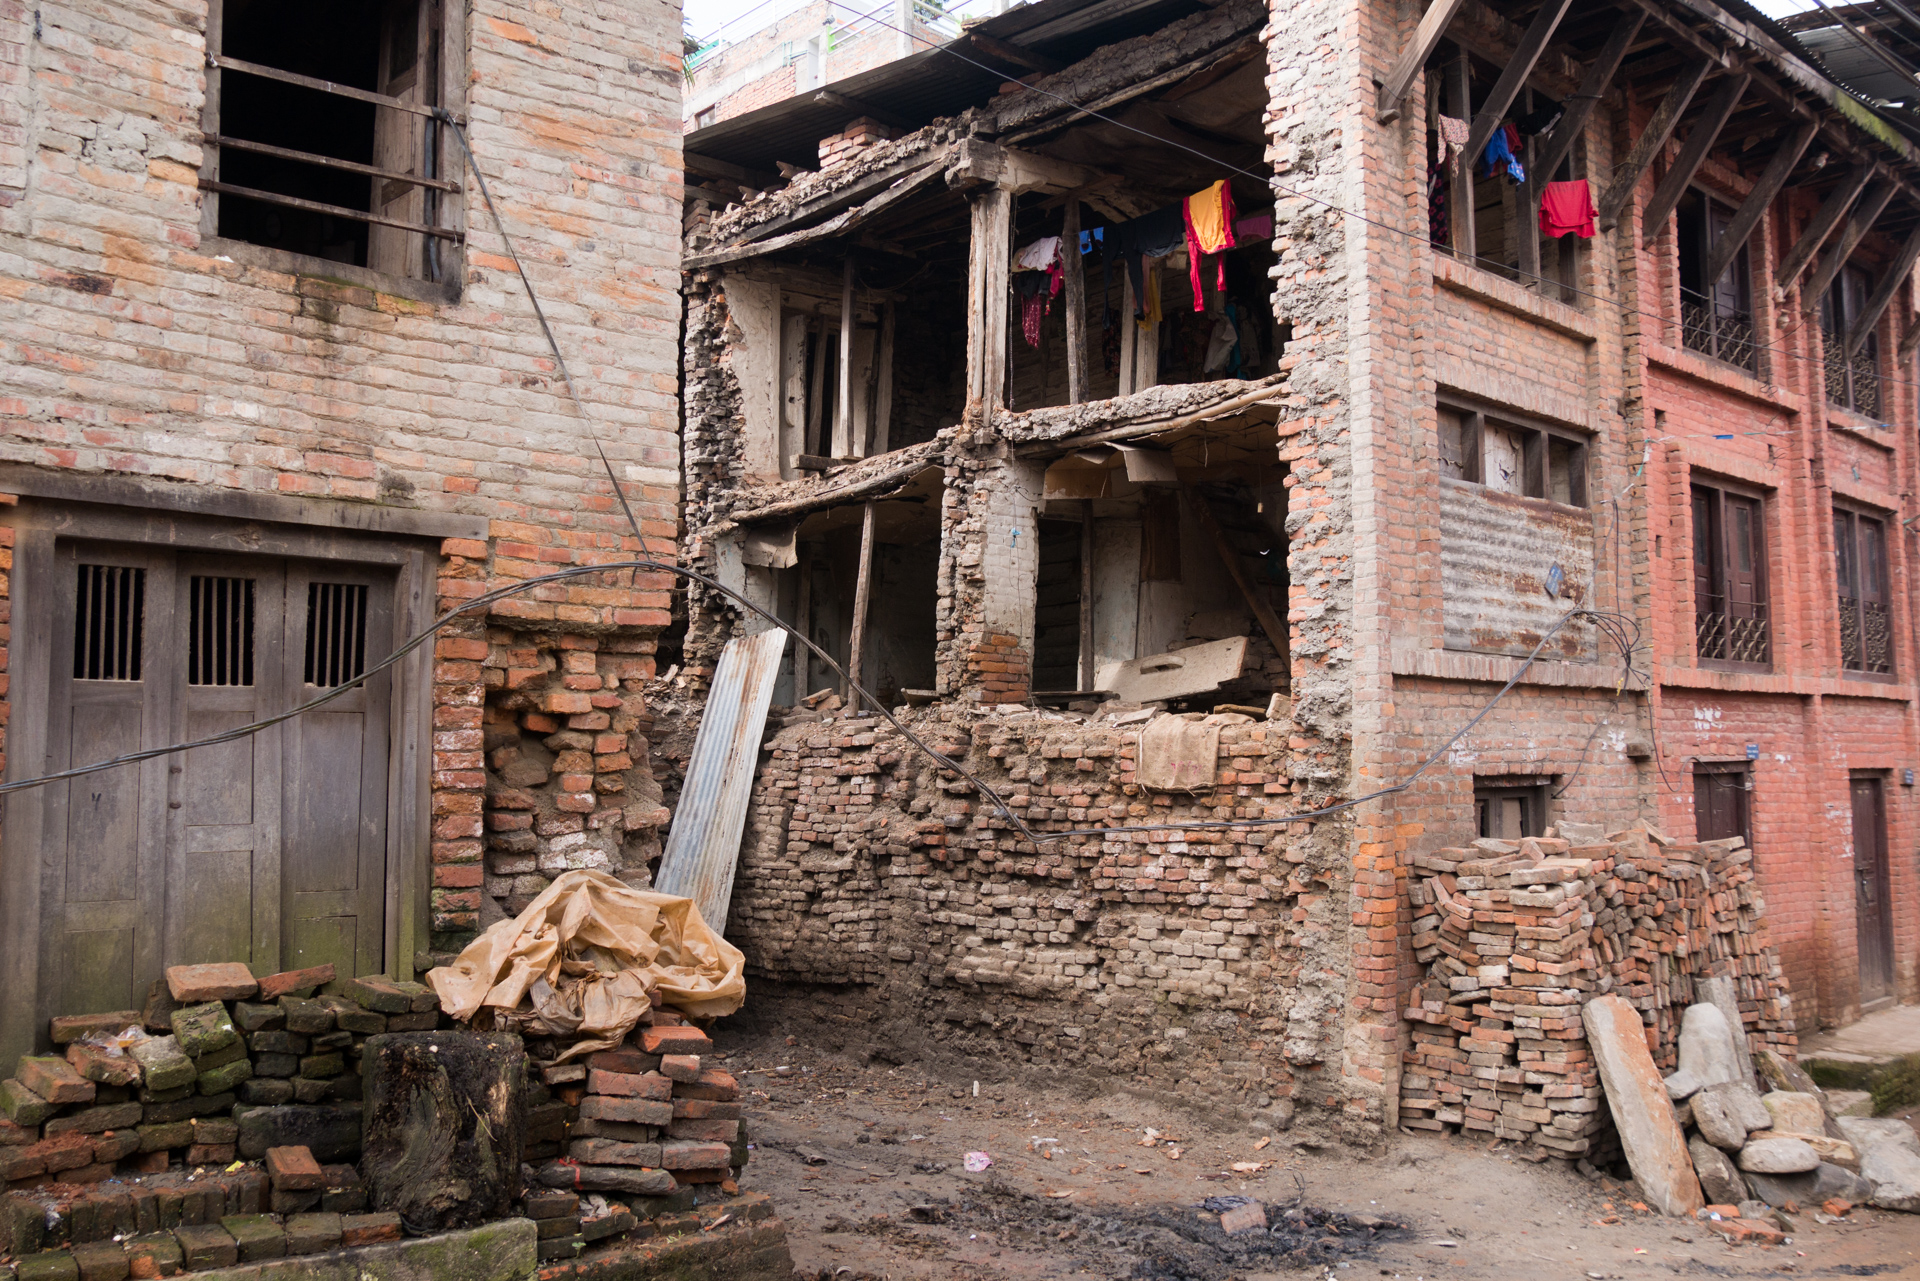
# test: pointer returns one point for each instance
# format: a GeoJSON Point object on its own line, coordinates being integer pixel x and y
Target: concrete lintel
{"type": "Point", "coordinates": [502, 1251]}
{"type": "Point", "coordinates": [235, 504]}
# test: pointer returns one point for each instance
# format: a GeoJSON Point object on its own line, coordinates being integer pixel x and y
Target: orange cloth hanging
{"type": "Point", "coordinates": [1209, 216]}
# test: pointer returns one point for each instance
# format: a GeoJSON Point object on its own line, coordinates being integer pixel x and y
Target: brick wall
{"type": "Point", "coordinates": [133, 345]}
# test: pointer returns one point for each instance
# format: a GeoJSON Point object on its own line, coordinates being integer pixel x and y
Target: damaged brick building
{"type": "Point", "coordinates": [273, 398]}
{"type": "Point", "coordinates": [1154, 506]}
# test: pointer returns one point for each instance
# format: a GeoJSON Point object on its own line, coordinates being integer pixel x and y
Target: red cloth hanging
{"type": "Point", "coordinates": [1209, 220]}
{"type": "Point", "coordinates": [1567, 207]}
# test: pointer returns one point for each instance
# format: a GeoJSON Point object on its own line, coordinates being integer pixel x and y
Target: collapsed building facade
{"type": "Point", "coordinates": [1143, 533]}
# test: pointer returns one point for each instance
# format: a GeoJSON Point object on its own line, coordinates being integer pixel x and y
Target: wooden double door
{"type": "Point", "coordinates": [268, 849]}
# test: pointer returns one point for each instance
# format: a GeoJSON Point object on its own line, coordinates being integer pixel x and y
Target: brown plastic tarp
{"type": "Point", "coordinates": [582, 959]}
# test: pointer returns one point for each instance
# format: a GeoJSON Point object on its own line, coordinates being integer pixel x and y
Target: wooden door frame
{"type": "Point", "coordinates": [1884, 874]}
{"type": "Point", "coordinates": [409, 553]}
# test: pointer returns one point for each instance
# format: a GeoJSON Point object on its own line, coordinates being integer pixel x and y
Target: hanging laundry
{"type": "Point", "coordinates": [1088, 237]}
{"type": "Point", "coordinates": [1209, 223]}
{"type": "Point", "coordinates": [1036, 299]}
{"type": "Point", "coordinates": [1220, 344]}
{"type": "Point", "coordinates": [1499, 155]}
{"type": "Point", "coordinates": [1453, 139]}
{"type": "Point", "coordinates": [1439, 228]}
{"type": "Point", "coordinates": [1566, 208]}
{"type": "Point", "coordinates": [1253, 227]}
{"type": "Point", "coordinates": [1545, 115]}
{"type": "Point", "coordinates": [1044, 254]}
{"type": "Point", "coordinates": [1153, 235]}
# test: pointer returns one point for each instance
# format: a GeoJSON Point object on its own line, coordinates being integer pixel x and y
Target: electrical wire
{"type": "Point", "coordinates": [1275, 184]}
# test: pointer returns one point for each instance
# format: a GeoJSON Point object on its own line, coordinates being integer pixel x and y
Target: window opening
{"type": "Point", "coordinates": [1851, 383]}
{"type": "Point", "coordinates": [1508, 809]}
{"type": "Point", "coordinates": [1716, 317]}
{"type": "Point", "coordinates": [336, 633]}
{"type": "Point", "coordinates": [1866, 624]}
{"type": "Point", "coordinates": [1730, 624]}
{"type": "Point", "coordinates": [1722, 794]}
{"type": "Point", "coordinates": [220, 631]}
{"type": "Point", "coordinates": [1510, 456]}
{"type": "Point", "coordinates": [108, 618]}
{"type": "Point", "coordinates": [1056, 610]}
{"type": "Point", "coordinates": [319, 137]}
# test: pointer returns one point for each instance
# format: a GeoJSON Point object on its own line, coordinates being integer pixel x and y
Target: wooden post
{"type": "Point", "coordinates": [1126, 333]}
{"type": "Point", "coordinates": [1865, 214]}
{"type": "Point", "coordinates": [1534, 43]}
{"type": "Point", "coordinates": [844, 445]}
{"type": "Point", "coordinates": [988, 270]}
{"type": "Point", "coordinates": [1086, 594]}
{"type": "Point", "coordinates": [803, 623]}
{"type": "Point", "coordinates": [1460, 106]}
{"type": "Point", "coordinates": [862, 589]}
{"type": "Point", "coordinates": [1269, 622]}
{"type": "Point", "coordinates": [883, 396]}
{"type": "Point", "coordinates": [817, 389]}
{"type": "Point", "coordinates": [1526, 230]}
{"type": "Point", "coordinates": [1706, 128]}
{"type": "Point", "coordinates": [1076, 304]}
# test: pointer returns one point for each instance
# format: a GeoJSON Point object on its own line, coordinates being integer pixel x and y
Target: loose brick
{"type": "Point", "coordinates": [649, 1085]}
{"type": "Point", "coordinates": [369, 1229]}
{"type": "Point", "coordinates": [54, 1080]}
{"type": "Point", "coordinates": [674, 1040]}
{"type": "Point", "coordinates": [296, 983]}
{"type": "Point", "coordinates": [632, 1111]}
{"type": "Point", "coordinates": [206, 1245]}
{"type": "Point", "coordinates": [72, 1027]}
{"type": "Point", "coordinates": [218, 981]}
{"type": "Point", "coordinates": [294, 1169]}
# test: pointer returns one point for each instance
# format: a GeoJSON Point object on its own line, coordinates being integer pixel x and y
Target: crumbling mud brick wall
{"type": "Point", "coordinates": [1517, 936]}
{"type": "Point", "coordinates": [1183, 962]}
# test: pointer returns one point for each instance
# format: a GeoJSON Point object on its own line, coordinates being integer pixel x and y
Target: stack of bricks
{"type": "Point", "coordinates": [648, 1120]}
{"type": "Point", "coordinates": [851, 141]}
{"type": "Point", "coordinates": [998, 669]}
{"type": "Point", "coordinates": [1518, 937]}
{"type": "Point", "coordinates": [215, 1067]}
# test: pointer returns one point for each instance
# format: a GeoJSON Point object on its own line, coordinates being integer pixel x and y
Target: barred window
{"type": "Point", "coordinates": [1730, 620]}
{"type": "Point", "coordinates": [1866, 621]}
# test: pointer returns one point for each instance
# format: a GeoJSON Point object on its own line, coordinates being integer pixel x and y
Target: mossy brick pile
{"type": "Point", "coordinates": [230, 1066]}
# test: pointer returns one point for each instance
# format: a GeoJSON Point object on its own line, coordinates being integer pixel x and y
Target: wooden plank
{"type": "Point", "coordinates": [1755, 206]}
{"type": "Point", "coordinates": [839, 224]}
{"type": "Point", "coordinates": [1426, 36]}
{"type": "Point", "coordinates": [1825, 219]}
{"type": "Point", "coordinates": [1713, 118]}
{"type": "Point", "coordinates": [1269, 621]}
{"type": "Point", "coordinates": [1086, 676]}
{"type": "Point", "coordinates": [1891, 280]}
{"type": "Point", "coordinates": [988, 270]}
{"type": "Point", "coordinates": [714, 168]}
{"type": "Point", "coordinates": [1593, 86]}
{"type": "Point", "coordinates": [1649, 143]}
{"type": "Point", "coordinates": [1864, 215]}
{"type": "Point", "coordinates": [1546, 20]}
{"type": "Point", "coordinates": [883, 385]}
{"type": "Point", "coordinates": [852, 194]}
{"type": "Point", "coordinates": [860, 107]}
{"type": "Point", "coordinates": [862, 595]}
{"type": "Point", "coordinates": [1019, 55]}
{"type": "Point", "coordinates": [1076, 308]}
{"type": "Point", "coordinates": [803, 620]}
{"type": "Point", "coordinates": [844, 445]}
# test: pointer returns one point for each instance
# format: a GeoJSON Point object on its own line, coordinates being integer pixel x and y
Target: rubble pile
{"type": "Point", "coordinates": [1518, 936]}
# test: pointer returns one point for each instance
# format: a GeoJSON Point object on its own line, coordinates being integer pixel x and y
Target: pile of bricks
{"type": "Point", "coordinates": [1517, 937]}
{"type": "Point", "coordinates": [851, 141]}
{"type": "Point", "coordinates": [218, 1065]}
{"type": "Point", "coordinates": [177, 1222]}
{"type": "Point", "coordinates": [648, 1121]}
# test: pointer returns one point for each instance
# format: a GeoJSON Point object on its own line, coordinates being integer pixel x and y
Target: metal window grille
{"type": "Point", "coordinates": [1725, 334]}
{"type": "Point", "coordinates": [1866, 636]}
{"type": "Point", "coordinates": [336, 633]}
{"type": "Point", "coordinates": [108, 617]}
{"type": "Point", "coordinates": [220, 631]}
{"type": "Point", "coordinates": [1735, 638]}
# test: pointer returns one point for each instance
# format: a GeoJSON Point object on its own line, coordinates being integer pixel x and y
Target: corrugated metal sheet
{"type": "Point", "coordinates": [703, 844]}
{"type": "Point", "coordinates": [1496, 551]}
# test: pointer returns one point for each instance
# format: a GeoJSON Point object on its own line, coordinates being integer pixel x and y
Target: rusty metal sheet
{"type": "Point", "coordinates": [703, 843]}
{"type": "Point", "coordinates": [1497, 554]}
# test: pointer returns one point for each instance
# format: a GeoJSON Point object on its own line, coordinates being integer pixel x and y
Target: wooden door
{"type": "Point", "coordinates": [103, 852]}
{"type": "Point", "coordinates": [1873, 916]}
{"type": "Point", "coordinates": [333, 869]}
{"type": "Point", "coordinates": [1720, 807]}
{"type": "Point", "coordinates": [268, 850]}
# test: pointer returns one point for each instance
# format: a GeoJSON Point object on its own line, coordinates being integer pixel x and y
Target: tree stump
{"type": "Point", "coordinates": [445, 1125]}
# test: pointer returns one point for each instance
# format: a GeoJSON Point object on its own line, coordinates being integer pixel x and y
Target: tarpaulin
{"type": "Point", "coordinates": [583, 959]}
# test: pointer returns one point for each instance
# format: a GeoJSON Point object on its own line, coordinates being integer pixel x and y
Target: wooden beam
{"type": "Point", "coordinates": [1648, 144]}
{"type": "Point", "coordinates": [1426, 36]}
{"type": "Point", "coordinates": [979, 161]}
{"type": "Point", "coordinates": [1460, 200]}
{"type": "Point", "coordinates": [1076, 308]}
{"type": "Point", "coordinates": [1760, 199]}
{"type": "Point", "coordinates": [1546, 20]}
{"type": "Point", "coordinates": [883, 391]}
{"type": "Point", "coordinates": [1269, 621]}
{"type": "Point", "coordinates": [843, 444]}
{"type": "Point", "coordinates": [1086, 594]}
{"type": "Point", "coordinates": [828, 98]}
{"type": "Point", "coordinates": [1825, 219]}
{"type": "Point", "coordinates": [694, 162]}
{"type": "Point", "coordinates": [1890, 283]}
{"type": "Point", "coordinates": [989, 266]}
{"type": "Point", "coordinates": [852, 194]}
{"type": "Point", "coordinates": [1018, 54]}
{"type": "Point", "coordinates": [803, 619]}
{"type": "Point", "coordinates": [1593, 86]}
{"type": "Point", "coordinates": [1713, 118]}
{"type": "Point", "coordinates": [1865, 214]}
{"type": "Point", "coordinates": [862, 592]}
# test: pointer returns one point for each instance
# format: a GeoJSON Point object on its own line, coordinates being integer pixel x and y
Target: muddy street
{"type": "Point", "coordinates": [868, 1162]}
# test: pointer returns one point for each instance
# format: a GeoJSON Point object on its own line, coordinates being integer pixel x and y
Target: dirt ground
{"type": "Point", "coordinates": [866, 1162]}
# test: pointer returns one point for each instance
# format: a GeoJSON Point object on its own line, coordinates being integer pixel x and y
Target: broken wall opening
{"type": "Point", "coordinates": [1163, 570]}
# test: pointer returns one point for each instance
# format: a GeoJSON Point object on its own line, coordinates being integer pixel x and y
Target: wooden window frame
{"type": "Point", "coordinates": [1720, 557]}
{"type": "Point", "coordinates": [1737, 769]}
{"type": "Point", "coordinates": [1536, 436]}
{"type": "Point", "coordinates": [1708, 326]}
{"type": "Point", "coordinates": [1533, 791]}
{"type": "Point", "coordinates": [1846, 587]}
{"type": "Point", "coordinates": [1836, 320]}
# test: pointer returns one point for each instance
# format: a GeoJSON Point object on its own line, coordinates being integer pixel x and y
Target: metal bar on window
{"type": "Point", "coordinates": [338, 211]}
{"type": "Point", "coordinates": [331, 162]}
{"type": "Point", "coordinates": [325, 86]}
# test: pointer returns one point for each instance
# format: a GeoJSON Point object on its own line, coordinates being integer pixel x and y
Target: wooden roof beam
{"type": "Point", "coordinates": [1650, 141]}
{"type": "Point", "coordinates": [1825, 219]}
{"type": "Point", "coordinates": [1426, 37]}
{"type": "Point", "coordinates": [1755, 206]}
{"type": "Point", "coordinates": [1534, 43]}
{"type": "Point", "coordinates": [1890, 284]}
{"type": "Point", "coordinates": [1865, 214]}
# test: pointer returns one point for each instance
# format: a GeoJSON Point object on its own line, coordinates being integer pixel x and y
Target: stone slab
{"type": "Point", "coordinates": [502, 1251]}
{"type": "Point", "coordinates": [1642, 1113]}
